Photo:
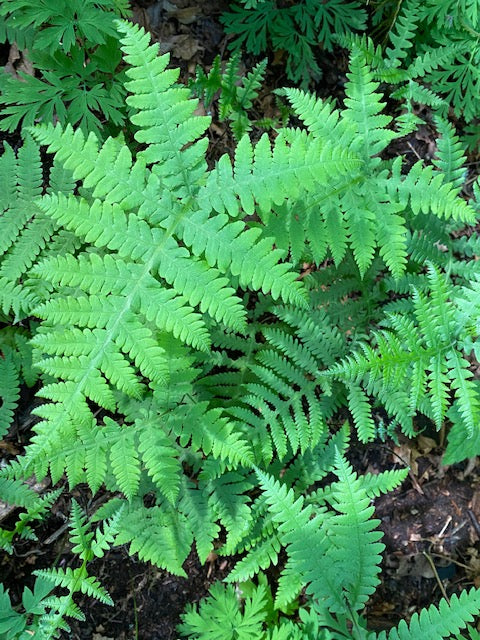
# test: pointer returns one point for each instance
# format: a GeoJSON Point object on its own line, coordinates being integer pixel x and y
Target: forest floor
{"type": "Point", "coordinates": [431, 523]}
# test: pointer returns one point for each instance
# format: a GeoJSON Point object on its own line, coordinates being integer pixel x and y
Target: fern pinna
{"type": "Point", "coordinates": [184, 358]}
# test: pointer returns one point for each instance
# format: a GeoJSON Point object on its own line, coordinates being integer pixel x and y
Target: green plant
{"type": "Point", "coordinates": [43, 613]}
{"type": "Point", "coordinates": [339, 576]}
{"type": "Point", "coordinates": [293, 27]}
{"type": "Point", "coordinates": [73, 46]}
{"type": "Point", "coordinates": [235, 93]}
{"type": "Point", "coordinates": [432, 54]}
{"type": "Point", "coordinates": [184, 358]}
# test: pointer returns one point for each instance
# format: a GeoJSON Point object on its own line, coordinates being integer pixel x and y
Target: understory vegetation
{"type": "Point", "coordinates": [207, 340]}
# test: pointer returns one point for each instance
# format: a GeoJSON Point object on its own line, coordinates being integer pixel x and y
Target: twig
{"type": "Point", "coordinates": [437, 577]}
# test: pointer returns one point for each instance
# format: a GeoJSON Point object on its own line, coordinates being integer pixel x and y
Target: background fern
{"type": "Point", "coordinates": [297, 30]}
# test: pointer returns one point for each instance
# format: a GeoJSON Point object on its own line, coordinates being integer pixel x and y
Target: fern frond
{"type": "Point", "coordinates": [81, 537]}
{"type": "Point", "coordinates": [161, 458]}
{"type": "Point", "coordinates": [364, 108]}
{"type": "Point", "coordinates": [162, 120]}
{"type": "Point", "coordinates": [9, 390]}
{"type": "Point", "coordinates": [427, 192]}
{"type": "Point", "coordinates": [438, 622]}
{"type": "Point", "coordinates": [290, 585]}
{"type": "Point", "coordinates": [158, 535]}
{"type": "Point", "coordinates": [253, 262]}
{"type": "Point", "coordinates": [264, 554]}
{"type": "Point", "coordinates": [450, 158]}
{"type": "Point", "coordinates": [228, 499]}
{"type": "Point", "coordinates": [194, 504]}
{"type": "Point", "coordinates": [352, 520]}
{"type": "Point", "coordinates": [403, 34]}
{"type": "Point", "coordinates": [361, 413]}
{"type": "Point", "coordinates": [269, 176]}
{"type": "Point", "coordinates": [76, 580]}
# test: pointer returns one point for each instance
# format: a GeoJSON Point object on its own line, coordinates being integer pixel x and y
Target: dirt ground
{"type": "Point", "coordinates": [431, 524]}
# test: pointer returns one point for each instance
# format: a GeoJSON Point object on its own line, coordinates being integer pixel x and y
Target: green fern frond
{"type": "Point", "coordinates": [230, 504]}
{"type": "Point", "coordinates": [9, 390]}
{"type": "Point", "coordinates": [427, 192]}
{"type": "Point", "coordinates": [375, 485]}
{"type": "Point", "coordinates": [194, 503]}
{"type": "Point", "coordinates": [81, 537]}
{"type": "Point", "coordinates": [17, 492]}
{"type": "Point", "coordinates": [76, 580]}
{"type": "Point", "coordinates": [364, 107]}
{"type": "Point", "coordinates": [438, 622]}
{"type": "Point", "coordinates": [161, 458]}
{"type": "Point", "coordinates": [263, 555]}
{"type": "Point", "coordinates": [269, 176]}
{"type": "Point", "coordinates": [26, 233]}
{"type": "Point", "coordinates": [450, 158]}
{"type": "Point", "coordinates": [402, 35]}
{"type": "Point", "coordinates": [162, 120]}
{"type": "Point", "coordinates": [361, 413]}
{"type": "Point", "coordinates": [352, 520]}
{"type": "Point", "coordinates": [125, 462]}
{"type": "Point", "coordinates": [160, 536]}
{"type": "Point", "coordinates": [417, 353]}
{"type": "Point", "coordinates": [290, 585]}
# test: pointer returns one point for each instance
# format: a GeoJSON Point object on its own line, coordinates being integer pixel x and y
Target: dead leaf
{"type": "Point", "coordinates": [187, 15]}
{"type": "Point", "coordinates": [18, 61]}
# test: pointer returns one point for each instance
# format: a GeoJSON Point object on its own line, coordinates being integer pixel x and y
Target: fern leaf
{"type": "Point", "coordinates": [161, 120]}
{"type": "Point", "coordinates": [439, 622]}
{"type": "Point", "coordinates": [362, 413]}
{"type": "Point", "coordinates": [364, 107]}
{"type": "Point", "coordinates": [264, 554]}
{"type": "Point", "coordinates": [230, 504]}
{"type": "Point", "coordinates": [157, 535]}
{"type": "Point", "coordinates": [194, 503]}
{"type": "Point", "coordinates": [76, 580]}
{"type": "Point", "coordinates": [450, 154]}
{"type": "Point", "coordinates": [376, 484]}
{"type": "Point", "coordinates": [285, 509]}
{"type": "Point", "coordinates": [160, 458]}
{"type": "Point", "coordinates": [269, 177]}
{"type": "Point", "coordinates": [254, 262]}
{"type": "Point", "coordinates": [466, 393]}
{"type": "Point", "coordinates": [81, 537]}
{"type": "Point", "coordinates": [124, 460]}
{"type": "Point", "coordinates": [103, 540]}
{"type": "Point", "coordinates": [290, 585]}
{"type": "Point", "coordinates": [9, 391]}
{"type": "Point", "coordinates": [402, 36]}
{"type": "Point", "coordinates": [427, 192]}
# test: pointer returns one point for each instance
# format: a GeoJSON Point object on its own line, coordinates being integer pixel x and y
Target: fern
{"type": "Point", "coordinates": [417, 354]}
{"type": "Point", "coordinates": [199, 329]}
{"type": "Point", "coordinates": [236, 93]}
{"type": "Point", "coordinates": [9, 391]}
{"type": "Point", "coordinates": [439, 622]}
{"type": "Point", "coordinates": [296, 29]}
{"type": "Point", "coordinates": [433, 44]}
{"type": "Point", "coordinates": [367, 210]}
